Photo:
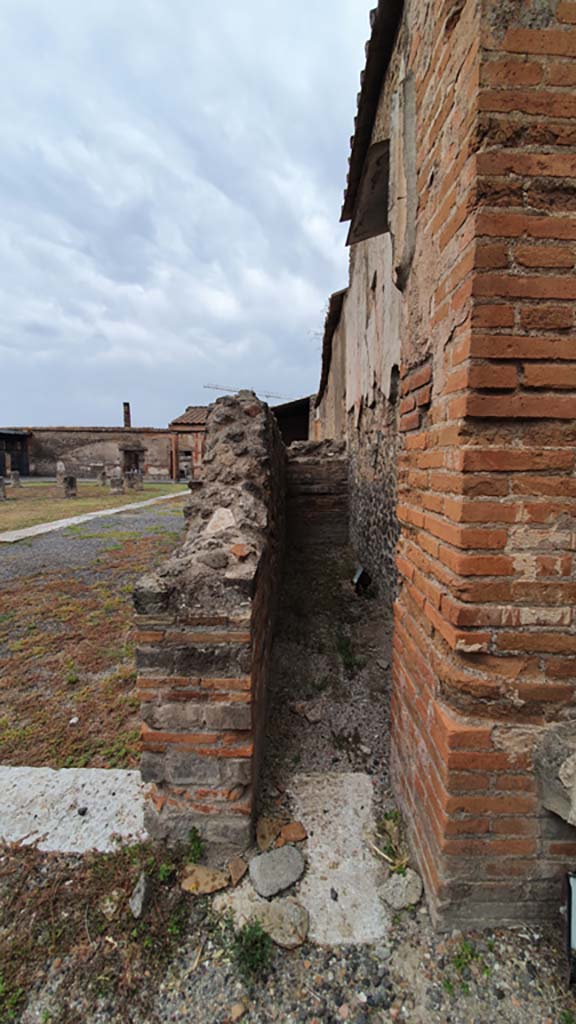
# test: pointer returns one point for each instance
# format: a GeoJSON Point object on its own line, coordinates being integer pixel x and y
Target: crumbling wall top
{"type": "Point", "coordinates": [228, 517]}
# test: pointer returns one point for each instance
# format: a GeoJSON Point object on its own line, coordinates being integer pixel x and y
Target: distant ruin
{"type": "Point", "coordinates": [171, 453]}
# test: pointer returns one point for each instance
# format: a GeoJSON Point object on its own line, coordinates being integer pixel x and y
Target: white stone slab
{"type": "Point", "coordinates": [42, 804]}
{"type": "Point", "coordinates": [11, 536]}
{"type": "Point", "coordinates": [338, 813]}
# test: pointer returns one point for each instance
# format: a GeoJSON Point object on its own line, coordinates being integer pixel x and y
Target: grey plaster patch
{"type": "Point", "coordinates": [72, 810]}
{"type": "Point", "coordinates": [11, 536]}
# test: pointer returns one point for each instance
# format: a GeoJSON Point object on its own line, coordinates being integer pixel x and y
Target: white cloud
{"type": "Point", "coordinates": [170, 182]}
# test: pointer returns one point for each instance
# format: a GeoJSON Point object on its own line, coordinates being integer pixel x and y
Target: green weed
{"type": "Point", "coordinates": [252, 952]}
{"type": "Point", "coordinates": [195, 848]}
{"type": "Point", "coordinates": [465, 955]}
{"type": "Point", "coordinates": [351, 663]}
{"type": "Point", "coordinates": [10, 1001]}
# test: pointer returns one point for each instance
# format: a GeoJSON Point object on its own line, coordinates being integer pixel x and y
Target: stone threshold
{"type": "Point", "coordinates": [71, 810]}
{"type": "Point", "coordinates": [11, 536]}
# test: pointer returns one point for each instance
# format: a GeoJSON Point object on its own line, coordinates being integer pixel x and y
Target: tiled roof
{"type": "Point", "coordinates": [384, 21]}
{"type": "Point", "coordinates": [195, 416]}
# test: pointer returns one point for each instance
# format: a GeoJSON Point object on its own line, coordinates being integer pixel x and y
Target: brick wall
{"type": "Point", "coordinates": [317, 493]}
{"type": "Point", "coordinates": [476, 454]}
{"type": "Point", "coordinates": [485, 634]}
{"type": "Point", "coordinates": [205, 623]}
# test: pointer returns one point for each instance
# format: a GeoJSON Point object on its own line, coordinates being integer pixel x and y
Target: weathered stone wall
{"type": "Point", "coordinates": [205, 623]}
{"type": "Point", "coordinates": [85, 450]}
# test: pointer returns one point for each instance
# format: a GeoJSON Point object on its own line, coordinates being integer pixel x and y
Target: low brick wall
{"type": "Point", "coordinates": [317, 492]}
{"type": "Point", "coordinates": [205, 625]}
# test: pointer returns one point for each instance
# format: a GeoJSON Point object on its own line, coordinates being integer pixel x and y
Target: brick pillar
{"type": "Point", "coordinates": [485, 628]}
{"type": "Point", "coordinates": [205, 623]}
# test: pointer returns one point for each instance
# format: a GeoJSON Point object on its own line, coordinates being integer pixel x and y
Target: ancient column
{"type": "Point", "coordinates": [70, 487]}
{"type": "Point", "coordinates": [116, 481]}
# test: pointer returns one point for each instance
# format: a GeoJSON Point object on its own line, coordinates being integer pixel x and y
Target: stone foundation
{"type": "Point", "coordinates": [205, 624]}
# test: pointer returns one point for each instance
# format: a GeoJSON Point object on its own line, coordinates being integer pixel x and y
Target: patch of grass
{"type": "Point", "coordinates": [390, 842]}
{"type": "Point", "coordinates": [465, 955]}
{"type": "Point", "coordinates": [465, 964]}
{"type": "Point", "coordinates": [566, 1017]}
{"type": "Point", "coordinates": [448, 986]}
{"type": "Point", "coordinates": [43, 503]}
{"type": "Point", "coordinates": [63, 900]}
{"type": "Point", "coordinates": [72, 676]}
{"type": "Point", "coordinates": [351, 662]}
{"type": "Point", "coordinates": [121, 752]}
{"type": "Point", "coordinates": [53, 648]}
{"type": "Point", "coordinates": [166, 871]}
{"type": "Point", "coordinates": [252, 952]}
{"type": "Point", "coordinates": [10, 1000]}
{"type": "Point", "coordinates": [195, 848]}
{"type": "Point", "coordinates": [81, 760]}
{"type": "Point", "coordinates": [13, 733]}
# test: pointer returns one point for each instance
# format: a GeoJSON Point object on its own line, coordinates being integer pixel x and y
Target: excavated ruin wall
{"type": "Point", "coordinates": [205, 625]}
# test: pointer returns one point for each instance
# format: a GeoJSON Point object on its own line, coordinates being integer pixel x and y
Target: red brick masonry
{"type": "Point", "coordinates": [485, 627]}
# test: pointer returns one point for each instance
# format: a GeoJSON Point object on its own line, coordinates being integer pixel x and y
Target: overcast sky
{"type": "Point", "coordinates": [171, 175]}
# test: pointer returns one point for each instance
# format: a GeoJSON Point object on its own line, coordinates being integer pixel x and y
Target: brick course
{"type": "Point", "coordinates": [473, 658]}
{"type": "Point", "coordinates": [476, 463]}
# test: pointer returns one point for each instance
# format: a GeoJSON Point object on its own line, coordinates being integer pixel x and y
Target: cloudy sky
{"type": "Point", "coordinates": [171, 174]}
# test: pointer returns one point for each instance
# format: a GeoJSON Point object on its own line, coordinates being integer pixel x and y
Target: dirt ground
{"type": "Point", "coordinates": [66, 650]}
{"type": "Point", "coordinates": [71, 950]}
{"type": "Point", "coordinates": [39, 502]}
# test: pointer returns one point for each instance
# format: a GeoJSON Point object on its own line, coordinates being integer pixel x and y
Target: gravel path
{"type": "Point", "coordinates": [79, 546]}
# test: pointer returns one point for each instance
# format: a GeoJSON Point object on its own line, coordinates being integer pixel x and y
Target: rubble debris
{"type": "Point", "coordinates": [201, 880]}
{"type": "Point", "coordinates": [271, 873]}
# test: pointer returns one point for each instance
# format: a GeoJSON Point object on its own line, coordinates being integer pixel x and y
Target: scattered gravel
{"type": "Point", "coordinates": [329, 712]}
{"type": "Point", "coordinates": [79, 546]}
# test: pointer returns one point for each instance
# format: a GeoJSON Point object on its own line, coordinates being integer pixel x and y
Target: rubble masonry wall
{"type": "Point", "coordinates": [205, 625]}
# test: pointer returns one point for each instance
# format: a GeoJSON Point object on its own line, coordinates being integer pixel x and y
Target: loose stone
{"type": "Point", "coordinates": [286, 921]}
{"type": "Point", "coordinates": [267, 830]}
{"type": "Point", "coordinates": [138, 897]}
{"type": "Point", "coordinates": [271, 873]}
{"type": "Point", "coordinates": [294, 832]}
{"type": "Point", "coordinates": [237, 868]}
{"type": "Point", "coordinates": [401, 891]}
{"type": "Point", "coordinates": [202, 880]}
